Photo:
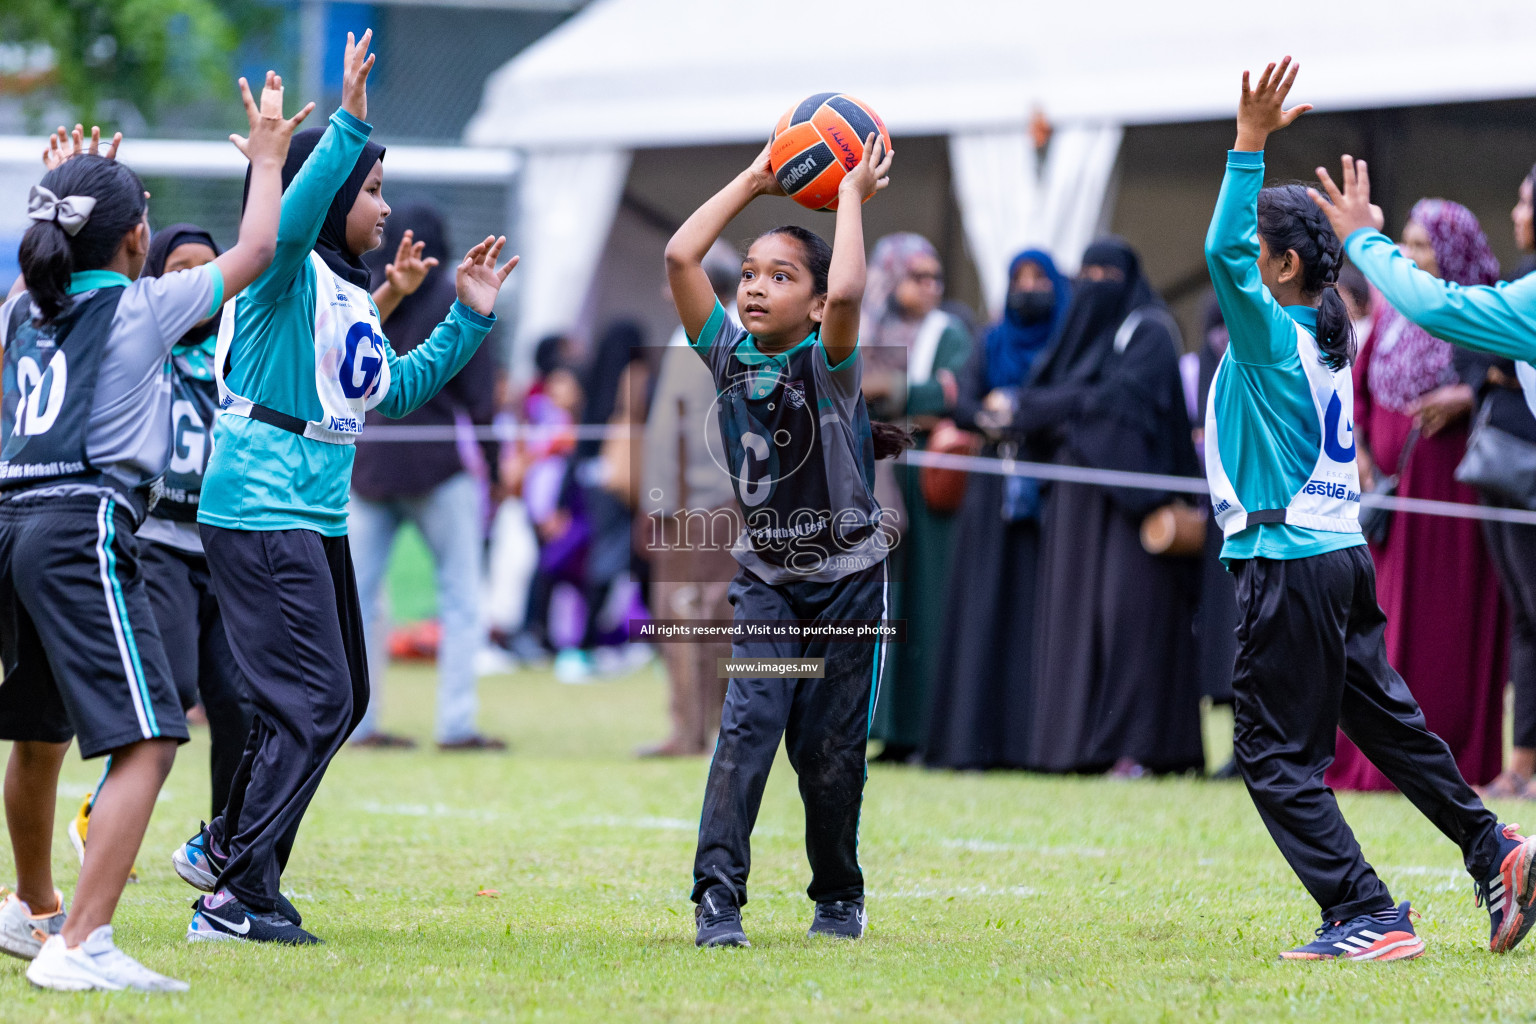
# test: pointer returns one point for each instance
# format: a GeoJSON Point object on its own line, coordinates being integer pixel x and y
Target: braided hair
{"type": "Point", "coordinates": [1289, 219]}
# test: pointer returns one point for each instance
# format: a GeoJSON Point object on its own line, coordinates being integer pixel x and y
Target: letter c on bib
{"type": "Point", "coordinates": [1331, 444]}
{"type": "Point", "coordinates": [358, 375]}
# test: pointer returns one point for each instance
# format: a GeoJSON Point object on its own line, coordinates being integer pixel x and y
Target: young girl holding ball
{"type": "Point", "coordinates": [801, 451]}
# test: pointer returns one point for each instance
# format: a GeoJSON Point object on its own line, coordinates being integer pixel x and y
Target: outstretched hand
{"type": "Point", "coordinates": [356, 63]}
{"type": "Point", "coordinates": [872, 173]}
{"type": "Point", "coordinates": [64, 145]}
{"type": "Point", "coordinates": [408, 270]}
{"type": "Point", "coordinates": [270, 131]}
{"type": "Point", "coordinates": [1261, 110]}
{"type": "Point", "coordinates": [1348, 209]}
{"type": "Point", "coordinates": [478, 281]}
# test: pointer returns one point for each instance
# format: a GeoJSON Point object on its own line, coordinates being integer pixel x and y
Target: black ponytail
{"type": "Point", "coordinates": [890, 440]}
{"type": "Point", "coordinates": [49, 254]}
{"type": "Point", "coordinates": [1289, 219]}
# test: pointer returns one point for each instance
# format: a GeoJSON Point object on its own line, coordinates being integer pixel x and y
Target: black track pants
{"type": "Point", "coordinates": [825, 726]}
{"type": "Point", "coordinates": [292, 616]}
{"type": "Point", "coordinates": [1311, 658]}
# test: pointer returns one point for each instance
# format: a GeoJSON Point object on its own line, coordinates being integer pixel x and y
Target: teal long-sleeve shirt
{"type": "Point", "coordinates": [1498, 319]}
{"type": "Point", "coordinates": [1269, 436]}
{"type": "Point", "coordinates": [259, 476]}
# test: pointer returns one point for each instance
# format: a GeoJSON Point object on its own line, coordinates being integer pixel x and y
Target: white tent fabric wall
{"type": "Point", "coordinates": [1007, 202]}
{"type": "Point", "coordinates": [566, 206]}
{"type": "Point", "coordinates": [630, 74]}
{"type": "Point", "coordinates": [996, 183]}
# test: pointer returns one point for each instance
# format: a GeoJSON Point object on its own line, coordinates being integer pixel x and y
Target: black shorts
{"type": "Point", "coordinates": [80, 647]}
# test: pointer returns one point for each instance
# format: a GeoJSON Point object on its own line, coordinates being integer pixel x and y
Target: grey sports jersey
{"type": "Point", "coordinates": [794, 436]}
{"type": "Point", "coordinates": [128, 437]}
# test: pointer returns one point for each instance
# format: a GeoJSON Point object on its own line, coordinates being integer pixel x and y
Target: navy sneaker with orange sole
{"type": "Point", "coordinates": [1510, 891]}
{"type": "Point", "coordinates": [1385, 936]}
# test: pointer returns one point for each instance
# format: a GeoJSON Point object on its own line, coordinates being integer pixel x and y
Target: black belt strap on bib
{"type": "Point", "coordinates": [280, 420]}
{"type": "Point", "coordinates": [1267, 516]}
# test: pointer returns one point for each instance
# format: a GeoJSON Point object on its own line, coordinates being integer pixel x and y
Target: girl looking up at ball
{"type": "Point", "coordinates": [795, 434]}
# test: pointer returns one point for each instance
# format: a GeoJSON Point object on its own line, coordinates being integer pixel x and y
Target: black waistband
{"type": "Point", "coordinates": [280, 420]}
{"type": "Point", "coordinates": [1265, 516]}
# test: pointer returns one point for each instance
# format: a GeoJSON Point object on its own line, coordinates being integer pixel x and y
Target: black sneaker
{"type": "Point", "coordinates": [719, 920]}
{"type": "Point", "coordinates": [221, 917]}
{"type": "Point", "coordinates": [841, 919]}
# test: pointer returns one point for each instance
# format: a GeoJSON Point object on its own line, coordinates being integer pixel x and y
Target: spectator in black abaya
{"type": "Point", "coordinates": [982, 696]}
{"type": "Point", "coordinates": [1114, 641]}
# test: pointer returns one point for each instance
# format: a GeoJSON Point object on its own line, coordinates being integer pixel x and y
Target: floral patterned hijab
{"type": "Point", "coordinates": [1408, 361]}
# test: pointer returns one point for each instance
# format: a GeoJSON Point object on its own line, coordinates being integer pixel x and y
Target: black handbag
{"type": "Point", "coordinates": [1376, 521]}
{"type": "Point", "coordinates": [1498, 463]}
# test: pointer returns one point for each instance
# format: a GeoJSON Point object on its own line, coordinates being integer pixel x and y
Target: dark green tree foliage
{"type": "Point", "coordinates": [146, 53]}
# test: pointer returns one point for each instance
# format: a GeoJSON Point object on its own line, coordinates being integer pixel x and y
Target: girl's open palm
{"type": "Point", "coordinates": [1261, 110]}
{"type": "Point", "coordinates": [478, 279]}
{"type": "Point", "coordinates": [270, 130]}
{"type": "Point", "coordinates": [62, 145]}
{"type": "Point", "coordinates": [408, 270]}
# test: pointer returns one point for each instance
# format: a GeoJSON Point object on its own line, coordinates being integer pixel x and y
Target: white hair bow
{"type": "Point", "coordinates": [69, 213]}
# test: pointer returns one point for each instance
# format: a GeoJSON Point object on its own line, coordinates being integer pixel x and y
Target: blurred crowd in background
{"type": "Point", "coordinates": [1057, 627]}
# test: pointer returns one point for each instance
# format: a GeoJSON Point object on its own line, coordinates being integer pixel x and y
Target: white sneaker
{"type": "Point", "coordinates": [22, 933]}
{"type": "Point", "coordinates": [95, 964]}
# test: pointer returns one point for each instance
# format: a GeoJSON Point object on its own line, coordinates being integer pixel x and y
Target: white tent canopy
{"type": "Point", "coordinates": [628, 74]}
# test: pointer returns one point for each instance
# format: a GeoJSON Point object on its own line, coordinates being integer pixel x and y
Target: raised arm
{"type": "Point", "coordinates": [310, 192]}
{"type": "Point", "coordinates": [845, 277]}
{"type": "Point", "coordinates": [266, 148]}
{"type": "Point", "coordinates": [1261, 331]}
{"type": "Point", "coordinates": [691, 291]}
{"type": "Point", "coordinates": [1498, 319]}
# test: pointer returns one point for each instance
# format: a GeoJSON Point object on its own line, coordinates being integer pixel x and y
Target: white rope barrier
{"type": "Point", "coordinates": [966, 463]}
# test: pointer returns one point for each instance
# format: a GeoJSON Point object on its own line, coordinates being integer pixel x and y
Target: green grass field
{"type": "Point", "coordinates": [991, 897]}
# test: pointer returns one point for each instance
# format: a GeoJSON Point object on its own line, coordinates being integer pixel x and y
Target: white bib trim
{"type": "Point", "coordinates": [1329, 500]}
{"type": "Point", "coordinates": [351, 369]}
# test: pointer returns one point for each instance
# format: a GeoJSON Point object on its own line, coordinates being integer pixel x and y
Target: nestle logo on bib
{"type": "Point", "coordinates": [1326, 489]}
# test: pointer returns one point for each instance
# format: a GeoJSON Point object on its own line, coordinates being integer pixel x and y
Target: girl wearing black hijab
{"type": "Point", "coordinates": [1116, 686]}
{"type": "Point", "coordinates": [301, 357]}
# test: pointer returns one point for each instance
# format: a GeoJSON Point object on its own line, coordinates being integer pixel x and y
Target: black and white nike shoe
{"type": "Point", "coordinates": [221, 916]}
{"type": "Point", "coordinates": [841, 919]}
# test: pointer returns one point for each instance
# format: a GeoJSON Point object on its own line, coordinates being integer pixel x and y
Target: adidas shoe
{"type": "Point", "coordinates": [1510, 892]}
{"type": "Point", "coordinates": [1385, 936]}
{"type": "Point", "coordinates": [841, 919]}
{"type": "Point", "coordinates": [719, 920]}
{"type": "Point", "coordinates": [95, 964]}
{"type": "Point", "coordinates": [197, 862]}
{"type": "Point", "coordinates": [221, 917]}
{"type": "Point", "coordinates": [22, 933]}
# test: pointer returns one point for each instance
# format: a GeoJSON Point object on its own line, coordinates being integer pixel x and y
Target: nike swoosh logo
{"type": "Point", "coordinates": [239, 929]}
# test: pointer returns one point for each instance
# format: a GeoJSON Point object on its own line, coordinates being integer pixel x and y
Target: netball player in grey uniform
{"type": "Point", "coordinates": [800, 449]}
{"type": "Point", "coordinates": [85, 422]}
